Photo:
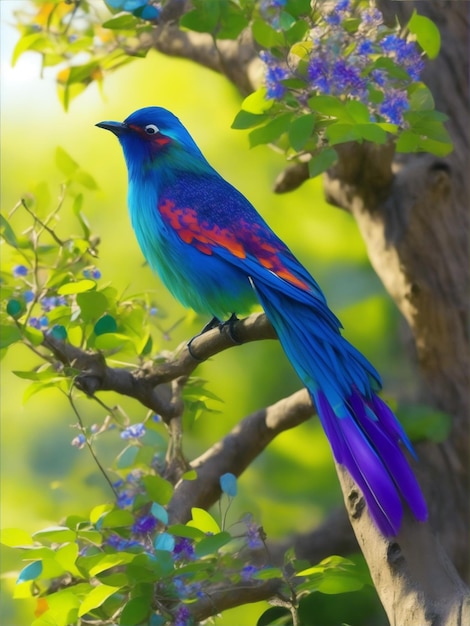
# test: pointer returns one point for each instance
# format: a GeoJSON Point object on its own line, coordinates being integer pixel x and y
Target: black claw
{"type": "Point", "coordinates": [213, 323]}
{"type": "Point", "coordinates": [230, 326]}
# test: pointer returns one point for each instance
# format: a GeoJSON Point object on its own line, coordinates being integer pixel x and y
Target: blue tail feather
{"type": "Point", "coordinates": [364, 434]}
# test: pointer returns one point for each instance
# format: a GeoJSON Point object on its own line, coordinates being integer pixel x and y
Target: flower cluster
{"type": "Point", "coordinates": [367, 62]}
{"type": "Point", "coordinates": [128, 488]}
{"type": "Point", "coordinates": [92, 272]}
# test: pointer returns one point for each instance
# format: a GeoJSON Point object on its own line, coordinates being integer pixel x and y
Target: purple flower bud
{"type": "Point", "coordinates": [135, 431]}
{"type": "Point", "coordinates": [28, 296]}
{"type": "Point", "coordinates": [35, 322]}
{"type": "Point", "coordinates": [144, 525]}
{"type": "Point", "coordinates": [79, 441]}
{"type": "Point", "coordinates": [182, 616]}
{"type": "Point", "coordinates": [183, 549]}
{"type": "Point", "coordinates": [20, 270]}
{"type": "Point", "coordinates": [248, 572]}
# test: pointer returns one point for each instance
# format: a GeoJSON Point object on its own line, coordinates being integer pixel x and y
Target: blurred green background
{"type": "Point", "coordinates": [292, 485]}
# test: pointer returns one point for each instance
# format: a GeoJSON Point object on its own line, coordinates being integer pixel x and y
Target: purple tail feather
{"type": "Point", "coordinates": [364, 434]}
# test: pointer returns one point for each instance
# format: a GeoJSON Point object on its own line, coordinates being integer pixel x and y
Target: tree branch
{"type": "Point", "coordinates": [236, 451]}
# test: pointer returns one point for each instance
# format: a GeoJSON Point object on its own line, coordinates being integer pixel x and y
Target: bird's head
{"type": "Point", "coordinates": [153, 138]}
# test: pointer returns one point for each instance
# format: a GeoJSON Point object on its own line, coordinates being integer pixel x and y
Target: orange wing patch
{"type": "Point", "coordinates": [201, 235]}
{"type": "Point", "coordinates": [205, 237]}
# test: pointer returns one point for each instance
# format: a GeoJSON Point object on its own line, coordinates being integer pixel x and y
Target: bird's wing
{"type": "Point", "coordinates": [213, 217]}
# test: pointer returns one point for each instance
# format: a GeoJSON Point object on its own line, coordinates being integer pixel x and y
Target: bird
{"type": "Point", "coordinates": [216, 254]}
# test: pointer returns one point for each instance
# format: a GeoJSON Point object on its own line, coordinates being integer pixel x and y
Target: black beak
{"type": "Point", "coordinates": [118, 128]}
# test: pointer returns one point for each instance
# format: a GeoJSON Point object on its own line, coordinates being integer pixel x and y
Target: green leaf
{"type": "Point", "coordinates": [274, 615]}
{"type": "Point", "coordinates": [117, 518]}
{"type": "Point", "coordinates": [6, 231]}
{"type": "Point", "coordinates": [244, 119]}
{"type": "Point", "coordinates": [92, 305]}
{"type": "Point", "coordinates": [158, 489]}
{"type": "Point", "coordinates": [55, 534]}
{"type": "Point", "coordinates": [103, 562]}
{"type": "Point", "coordinates": [268, 573]}
{"type": "Point", "coordinates": [421, 98]}
{"type": "Point", "coordinates": [203, 18]}
{"type": "Point", "coordinates": [181, 530]}
{"type": "Point", "coordinates": [407, 142]}
{"type": "Point", "coordinates": [427, 34]}
{"type": "Point", "coordinates": [96, 597]}
{"type": "Point", "coordinates": [30, 572]}
{"type": "Point", "coordinates": [85, 179]}
{"type": "Point", "coordinates": [321, 161]}
{"type": "Point", "coordinates": [64, 162]}
{"type": "Point", "coordinates": [48, 374]}
{"type": "Point", "coordinates": [271, 131]}
{"type": "Point", "coordinates": [423, 423]}
{"type": "Point", "coordinates": [342, 133]}
{"type": "Point", "coordinates": [211, 544]}
{"type": "Point", "coordinates": [122, 22]}
{"type": "Point", "coordinates": [438, 148]}
{"type": "Point", "coordinates": [15, 537]}
{"type": "Point", "coordinates": [232, 21]}
{"type": "Point", "coordinates": [127, 457]}
{"type": "Point", "coordinates": [33, 41]}
{"type": "Point", "coordinates": [66, 556]}
{"type": "Point", "coordinates": [204, 521]}
{"type": "Point", "coordinates": [358, 111]}
{"type": "Point", "coordinates": [265, 35]}
{"type": "Point", "coordinates": [10, 334]}
{"type": "Point", "coordinates": [372, 132]}
{"type": "Point", "coordinates": [257, 103]}
{"type": "Point", "coordinates": [300, 130]}
{"type": "Point", "coordinates": [135, 612]}
{"type": "Point", "coordinates": [78, 286]}
{"type": "Point", "coordinates": [331, 106]}
{"type": "Point", "coordinates": [106, 324]}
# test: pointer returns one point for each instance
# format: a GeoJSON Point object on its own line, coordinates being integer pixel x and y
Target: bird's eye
{"type": "Point", "coordinates": [151, 129]}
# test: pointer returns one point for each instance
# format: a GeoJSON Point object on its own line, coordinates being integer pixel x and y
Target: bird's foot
{"type": "Point", "coordinates": [230, 326]}
{"type": "Point", "coordinates": [216, 323]}
{"type": "Point", "coordinates": [213, 323]}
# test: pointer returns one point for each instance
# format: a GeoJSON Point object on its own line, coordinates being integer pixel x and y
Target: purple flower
{"type": "Point", "coordinates": [92, 272]}
{"type": "Point", "coordinates": [371, 18]}
{"type": "Point", "coordinates": [182, 616]}
{"type": "Point", "coordinates": [342, 5]}
{"type": "Point", "coordinates": [38, 322]}
{"type": "Point", "coordinates": [135, 431]}
{"type": "Point", "coordinates": [28, 296]}
{"type": "Point", "coordinates": [346, 77]}
{"type": "Point", "coordinates": [144, 525]}
{"type": "Point", "coordinates": [365, 47]}
{"type": "Point", "coordinates": [125, 499]}
{"type": "Point", "coordinates": [394, 105]}
{"type": "Point", "coordinates": [333, 19]}
{"type": "Point", "coordinates": [275, 73]}
{"type": "Point", "coordinates": [118, 542]}
{"type": "Point", "coordinates": [318, 74]}
{"type": "Point", "coordinates": [153, 310]}
{"type": "Point", "coordinates": [79, 441]}
{"type": "Point", "coordinates": [20, 270]}
{"type": "Point", "coordinates": [183, 549]}
{"type": "Point", "coordinates": [49, 303]}
{"type": "Point", "coordinates": [253, 537]}
{"type": "Point", "coordinates": [248, 571]}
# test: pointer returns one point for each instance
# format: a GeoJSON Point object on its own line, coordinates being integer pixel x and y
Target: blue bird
{"type": "Point", "coordinates": [217, 255]}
